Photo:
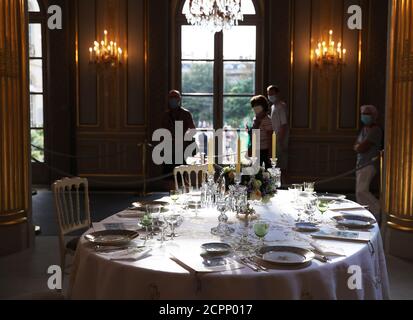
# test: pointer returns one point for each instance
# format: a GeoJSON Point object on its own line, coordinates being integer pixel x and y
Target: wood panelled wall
{"type": "Point", "coordinates": [111, 102]}
{"type": "Point", "coordinates": [324, 103]}
{"type": "Point", "coordinates": [114, 111]}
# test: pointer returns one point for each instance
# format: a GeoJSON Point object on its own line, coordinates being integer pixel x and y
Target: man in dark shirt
{"type": "Point", "coordinates": [175, 114]}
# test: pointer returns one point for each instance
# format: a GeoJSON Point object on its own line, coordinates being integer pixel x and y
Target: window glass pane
{"type": "Point", "coordinates": [35, 40]}
{"type": "Point", "coordinates": [36, 76]}
{"type": "Point", "coordinates": [197, 43]}
{"type": "Point", "coordinates": [33, 6]}
{"type": "Point", "coordinates": [36, 111]}
{"type": "Point", "coordinates": [239, 77]}
{"type": "Point", "coordinates": [197, 77]}
{"type": "Point", "coordinates": [230, 144]}
{"type": "Point", "coordinates": [202, 110]}
{"type": "Point", "coordinates": [240, 43]}
{"type": "Point", "coordinates": [247, 7]}
{"type": "Point", "coordinates": [37, 139]}
{"type": "Point", "coordinates": [237, 112]}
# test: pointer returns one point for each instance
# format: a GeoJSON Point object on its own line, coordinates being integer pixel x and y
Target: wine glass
{"type": "Point", "coordinates": [322, 205]}
{"type": "Point", "coordinates": [163, 225]}
{"type": "Point", "coordinates": [309, 187]}
{"type": "Point", "coordinates": [154, 211]}
{"type": "Point", "coordinates": [309, 208]}
{"type": "Point", "coordinates": [146, 222]}
{"type": "Point", "coordinates": [174, 195]}
{"type": "Point", "coordinates": [261, 229]}
{"type": "Point", "coordinates": [173, 220]}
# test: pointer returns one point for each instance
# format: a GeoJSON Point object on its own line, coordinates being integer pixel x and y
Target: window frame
{"type": "Point", "coordinates": [40, 18]}
{"type": "Point", "coordinates": [218, 78]}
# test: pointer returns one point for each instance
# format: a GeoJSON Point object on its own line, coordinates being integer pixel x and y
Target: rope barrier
{"type": "Point", "coordinates": [66, 155]}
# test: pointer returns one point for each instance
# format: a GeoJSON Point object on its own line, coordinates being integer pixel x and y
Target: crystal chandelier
{"type": "Point", "coordinates": [215, 15]}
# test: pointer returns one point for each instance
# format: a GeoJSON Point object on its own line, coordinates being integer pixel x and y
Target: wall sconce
{"type": "Point", "coordinates": [329, 54]}
{"type": "Point", "coordinates": [106, 52]}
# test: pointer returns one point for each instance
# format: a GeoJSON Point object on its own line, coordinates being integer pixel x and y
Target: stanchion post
{"type": "Point", "coordinates": [144, 146]}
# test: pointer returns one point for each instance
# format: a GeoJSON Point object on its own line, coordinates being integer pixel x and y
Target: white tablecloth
{"type": "Point", "coordinates": [95, 276]}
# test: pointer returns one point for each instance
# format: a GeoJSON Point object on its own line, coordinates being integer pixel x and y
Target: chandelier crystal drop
{"type": "Point", "coordinates": [214, 15]}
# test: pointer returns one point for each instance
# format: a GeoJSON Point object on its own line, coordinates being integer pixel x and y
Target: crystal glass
{"type": "Point", "coordinates": [295, 190]}
{"type": "Point", "coordinates": [173, 221]}
{"type": "Point", "coordinates": [154, 211]}
{"type": "Point", "coordinates": [309, 187]}
{"type": "Point", "coordinates": [146, 222]}
{"type": "Point", "coordinates": [163, 226]}
{"type": "Point", "coordinates": [322, 205]}
{"type": "Point", "coordinates": [261, 229]}
{"type": "Point", "coordinates": [222, 229]}
{"type": "Point", "coordinates": [310, 207]}
{"type": "Point", "coordinates": [174, 195]}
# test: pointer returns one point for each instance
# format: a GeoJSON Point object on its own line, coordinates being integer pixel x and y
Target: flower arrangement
{"type": "Point", "coordinates": [260, 187]}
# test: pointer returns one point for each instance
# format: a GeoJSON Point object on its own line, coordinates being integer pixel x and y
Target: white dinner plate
{"type": "Point", "coordinates": [285, 256]}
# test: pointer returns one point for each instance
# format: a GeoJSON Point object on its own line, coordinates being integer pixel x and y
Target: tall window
{"type": "Point", "coordinates": [36, 64]}
{"type": "Point", "coordinates": [218, 72]}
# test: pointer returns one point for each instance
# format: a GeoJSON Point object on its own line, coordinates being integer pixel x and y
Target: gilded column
{"type": "Point", "coordinates": [398, 183]}
{"type": "Point", "coordinates": [15, 195]}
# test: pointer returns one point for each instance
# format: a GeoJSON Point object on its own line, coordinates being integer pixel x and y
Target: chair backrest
{"type": "Point", "coordinates": [199, 171]}
{"type": "Point", "coordinates": [72, 207]}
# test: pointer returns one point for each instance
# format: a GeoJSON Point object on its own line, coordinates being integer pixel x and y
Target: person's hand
{"type": "Point", "coordinates": [356, 147]}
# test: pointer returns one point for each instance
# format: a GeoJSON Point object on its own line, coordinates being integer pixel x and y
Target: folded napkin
{"type": "Point", "coordinates": [131, 214]}
{"type": "Point", "coordinates": [128, 255]}
{"type": "Point", "coordinates": [327, 251]}
{"type": "Point", "coordinates": [195, 263]}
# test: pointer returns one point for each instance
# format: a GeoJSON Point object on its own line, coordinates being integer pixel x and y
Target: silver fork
{"type": "Point", "coordinates": [261, 267]}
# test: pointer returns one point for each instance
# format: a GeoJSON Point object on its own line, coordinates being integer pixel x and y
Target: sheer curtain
{"type": "Point", "coordinates": [14, 128]}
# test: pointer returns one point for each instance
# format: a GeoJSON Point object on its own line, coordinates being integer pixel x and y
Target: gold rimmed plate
{"type": "Point", "coordinates": [111, 237]}
{"type": "Point", "coordinates": [354, 221]}
{"type": "Point", "coordinates": [285, 256]}
{"type": "Point", "coordinates": [216, 249]}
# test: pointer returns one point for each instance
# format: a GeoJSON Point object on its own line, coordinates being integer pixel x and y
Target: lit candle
{"type": "Point", "coordinates": [331, 36]}
{"type": "Point", "coordinates": [274, 146]}
{"type": "Point", "coordinates": [119, 55]}
{"type": "Point", "coordinates": [106, 37]}
{"type": "Point", "coordinates": [254, 145]}
{"type": "Point", "coordinates": [211, 156]}
{"type": "Point", "coordinates": [344, 55]}
{"type": "Point", "coordinates": [90, 54]}
{"type": "Point", "coordinates": [239, 154]}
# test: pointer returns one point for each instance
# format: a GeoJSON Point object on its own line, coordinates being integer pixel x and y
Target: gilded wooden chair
{"type": "Point", "coordinates": [185, 175]}
{"type": "Point", "coordinates": [71, 197]}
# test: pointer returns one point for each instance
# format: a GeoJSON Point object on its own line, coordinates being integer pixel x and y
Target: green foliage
{"type": "Point", "coordinates": [198, 78]}
{"type": "Point", "coordinates": [37, 139]}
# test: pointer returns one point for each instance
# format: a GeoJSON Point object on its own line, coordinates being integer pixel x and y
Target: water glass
{"type": "Point", "coordinates": [309, 187]}
{"type": "Point", "coordinates": [261, 229]}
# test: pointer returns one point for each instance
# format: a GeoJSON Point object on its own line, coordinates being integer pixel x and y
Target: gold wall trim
{"type": "Point", "coordinates": [398, 180]}
{"type": "Point", "coordinates": [14, 114]}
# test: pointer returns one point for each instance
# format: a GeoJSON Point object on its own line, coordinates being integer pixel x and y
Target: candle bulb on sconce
{"type": "Point", "coordinates": [330, 53]}
{"type": "Point", "coordinates": [106, 52]}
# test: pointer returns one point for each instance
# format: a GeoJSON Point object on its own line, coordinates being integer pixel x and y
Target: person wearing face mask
{"type": "Point", "coordinates": [262, 122]}
{"type": "Point", "coordinates": [176, 113]}
{"type": "Point", "coordinates": [368, 147]}
{"type": "Point", "coordinates": [280, 125]}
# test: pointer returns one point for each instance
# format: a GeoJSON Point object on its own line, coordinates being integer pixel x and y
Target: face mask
{"type": "Point", "coordinates": [273, 99]}
{"type": "Point", "coordinates": [258, 109]}
{"type": "Point", "coordinates": [367, 119]}
{"type": "Point", "coordinates": [174, 103]}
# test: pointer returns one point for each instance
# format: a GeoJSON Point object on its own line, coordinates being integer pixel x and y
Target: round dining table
{"type": "Point", "coordinates": [169, 270]}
